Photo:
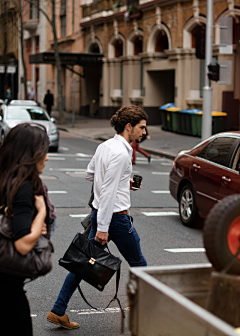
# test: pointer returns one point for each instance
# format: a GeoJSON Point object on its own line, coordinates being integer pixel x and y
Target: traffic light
{"type": "Point", "coordinates": [213, 72]}
{"type": "Point", "coordinates": [200, 41]}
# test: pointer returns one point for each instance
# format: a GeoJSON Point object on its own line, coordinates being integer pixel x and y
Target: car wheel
{"type": "Point", "coordinates": [221, 234]}
{"type": "Point", "coordinates": [187, 207]}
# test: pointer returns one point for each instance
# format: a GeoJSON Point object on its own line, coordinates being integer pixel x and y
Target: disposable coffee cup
{"type": "Point", "coordinates": [137, 180]}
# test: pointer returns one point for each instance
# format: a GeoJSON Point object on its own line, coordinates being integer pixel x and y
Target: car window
{"type": "Point", "coordinates": [217, 151]}
{"type": "Point", "coordinates": [37, 114]}
{"type": "Point", "coordinates": [26, 114]}
{"type": "Point", "coordinates": [236, 161]}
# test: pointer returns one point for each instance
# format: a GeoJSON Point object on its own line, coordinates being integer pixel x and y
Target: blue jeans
{"type": "Point", "coordinates": [124, 235]}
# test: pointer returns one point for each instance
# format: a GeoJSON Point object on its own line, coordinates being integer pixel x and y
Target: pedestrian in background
{"type": "Point", "coordinates": [110, 170]}
{"type": "Point", "coordinates": [48, 101]}
{"type": "Point", "coordinates": [22, 158]}
{"type": "Point", "coordinates": [136, 148]}
{"type": "Point", "coordinates": [9, 95]}
{"type": "Point", "coordinates": [31, 94]}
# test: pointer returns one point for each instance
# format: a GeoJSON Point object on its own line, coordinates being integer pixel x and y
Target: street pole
{"type": "Point", "coordinates": [73, 109]}
{"type": "Point", "coordinates": [207, 89]}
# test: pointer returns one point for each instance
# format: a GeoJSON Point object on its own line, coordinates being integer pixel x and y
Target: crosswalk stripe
{"type": "Point", "coordinates": [68, 169]}
{"type": "Point", "coordinates": [100, 311]}
{"type": "Point", "coordinates": [160, 213]}
{"type": "Point", "coordinates": [57, 192]}
{"type": "Point", "coordinates": [78, 215]}
{"type": "Point", "coordinates": [184, 250]}
{"type": "Point", "coordinates": [57, 158]}
{"type": "Point", "coordinates": [160, 191]}
{"type": "Point", "coordinates": [160, 173]}
{"type": "Point", "coordinates": [166, 164]}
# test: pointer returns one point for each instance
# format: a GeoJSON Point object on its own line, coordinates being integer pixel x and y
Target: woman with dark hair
{"type": "Point", "coordinates": [23, 156]}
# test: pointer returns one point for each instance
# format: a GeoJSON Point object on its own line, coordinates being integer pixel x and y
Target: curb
{"type": "Point", "coordinates": [153, 151]}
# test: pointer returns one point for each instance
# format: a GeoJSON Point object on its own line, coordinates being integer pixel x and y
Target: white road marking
{"type": "Point", "coordinates": [62, 154]}
{"type": "Point", "coordinates": [64, 148]}
{"type": "Point", "coordinates": [33, 315]}
{"type": "Point", "coordinates": [86, 159]}
{"type": "Point", "coordinates": [184, 250]}
{"type": "Point", "coordinates": [57, 158]}
{"type": "Point", "coordinates": [84, 155]}
{"type": "Point", "coordinates": [76, 174]}
{"type": "Point", "coordinates": [100, 311]}
{"type": "Point", "coordinates": [166, 164]}
{"type": "Point", "coordinates": [68, 169]}
{"type": "Point", "coordinates": [160, 173]}
{"type": "Point", "coordinates": [160, 191]}
{"type": "Point", "coordinates": [48, 177]}
{"type": "Point", "coordinates": [57, 192]}
{"type": "Point", "coordinates": [160, 213]}
{"type": "Point", "coordinates": [79, 215]}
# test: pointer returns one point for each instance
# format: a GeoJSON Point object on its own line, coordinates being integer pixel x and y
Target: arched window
{"type": "Point", "coordinates": [236, 30]}
{"type": "Point", "coordinates": [94, 48]}
{"type": "Point", "coordinates": [161, 42]}
{"type": "Point", "coordinates": [194, 32]}
{"type": "Point", "coordinates": [118, 48]}
{"type": "Point", "coordinates": [159, 39]}
{"type": "Point", "coordinates": [138, 45]}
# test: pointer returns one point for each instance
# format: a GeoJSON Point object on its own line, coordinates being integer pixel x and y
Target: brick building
{"type": "Point", "coordinates": [8, 48]}
{"type": "Point", "coordinates": [149, 56]}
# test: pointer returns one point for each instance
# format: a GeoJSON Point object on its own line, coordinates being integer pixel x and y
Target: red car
{"type": "Point", "coordinates": [202, 176]}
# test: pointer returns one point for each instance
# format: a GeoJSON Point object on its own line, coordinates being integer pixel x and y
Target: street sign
{"type": "Point", "coordinates": [11, 69]}
{"type": "Point", "coordinates": [2, 68]}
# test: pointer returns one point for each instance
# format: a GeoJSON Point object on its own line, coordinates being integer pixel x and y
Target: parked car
{"type": "Point", "coordinates": [15, 113]}
{"type": "Point", "coordinates": [202, 176]}
{"type": "Point", "coordinates": [23, 102]}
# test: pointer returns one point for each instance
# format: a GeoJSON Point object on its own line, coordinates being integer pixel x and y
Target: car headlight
{"type": "Point", "coordinates": [53, 131]}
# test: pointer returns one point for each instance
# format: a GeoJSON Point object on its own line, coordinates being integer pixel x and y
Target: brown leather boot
{"type": "Point", "coordinates": [62, 321]}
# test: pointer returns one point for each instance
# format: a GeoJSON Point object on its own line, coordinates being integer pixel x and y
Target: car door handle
{"type": "Point", "coordinates": [196, 166]}
{"type": "Point", "coordinates": [226, 179]}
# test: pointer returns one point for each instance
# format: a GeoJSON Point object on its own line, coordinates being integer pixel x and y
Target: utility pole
{"type": "Point", "coordinates": [207, 89]}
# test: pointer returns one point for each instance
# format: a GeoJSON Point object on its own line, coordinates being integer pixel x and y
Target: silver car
{"type": "Point", "coordinates": [14, 114]}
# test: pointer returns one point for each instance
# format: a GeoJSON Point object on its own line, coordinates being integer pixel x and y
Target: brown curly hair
{"type": "Point", "coordinates": [127, 114]}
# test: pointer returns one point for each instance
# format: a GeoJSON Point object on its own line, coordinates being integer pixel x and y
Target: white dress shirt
{"type": "Point", "coordinates": [110, 170]}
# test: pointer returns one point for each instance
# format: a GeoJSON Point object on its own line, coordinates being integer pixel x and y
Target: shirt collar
{"type": "Point", "coordinates": [124, 141]}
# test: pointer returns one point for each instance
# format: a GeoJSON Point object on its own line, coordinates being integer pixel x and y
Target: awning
{"type": "Point", "coordinates": [66, 58]}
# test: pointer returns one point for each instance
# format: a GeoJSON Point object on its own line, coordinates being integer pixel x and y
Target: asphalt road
{"type": "Point", "coordinates": [69, 191]}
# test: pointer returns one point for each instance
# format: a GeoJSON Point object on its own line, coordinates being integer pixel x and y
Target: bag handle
{"type": "Point", "coordinates": [113, 299]}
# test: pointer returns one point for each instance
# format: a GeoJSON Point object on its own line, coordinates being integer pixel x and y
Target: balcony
{"type": "Point", "coordinates": [91, 7]}
{"type": "Point", "coordinates": [30, 25]}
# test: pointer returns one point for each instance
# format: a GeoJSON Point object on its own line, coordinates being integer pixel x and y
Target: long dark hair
{"type": "Point", "coordinates": [24, 146]}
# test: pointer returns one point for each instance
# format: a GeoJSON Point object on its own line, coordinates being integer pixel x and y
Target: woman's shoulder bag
{"type": "Point", "coordinates": [35, 263]}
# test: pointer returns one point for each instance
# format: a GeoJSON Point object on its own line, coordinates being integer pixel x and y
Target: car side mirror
{"type": "Point", "coordinates": [53, 120]}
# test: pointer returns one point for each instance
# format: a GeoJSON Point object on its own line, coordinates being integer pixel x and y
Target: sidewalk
{"type": "Point", "coordinates": [162, 143]}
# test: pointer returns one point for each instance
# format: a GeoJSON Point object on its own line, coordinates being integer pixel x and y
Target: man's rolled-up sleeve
{"type": "Point", "coordinates": [89, 174]}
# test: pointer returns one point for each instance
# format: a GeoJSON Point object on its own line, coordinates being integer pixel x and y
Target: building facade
{"type": "Point", "coordinates": [35, 41]}
{"type": "Point", "coordinates": [68, 14]}
{"type": "Point", "coordinates": [8, 48]}
{"type": "Point", "coordinates": [149, 56]}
